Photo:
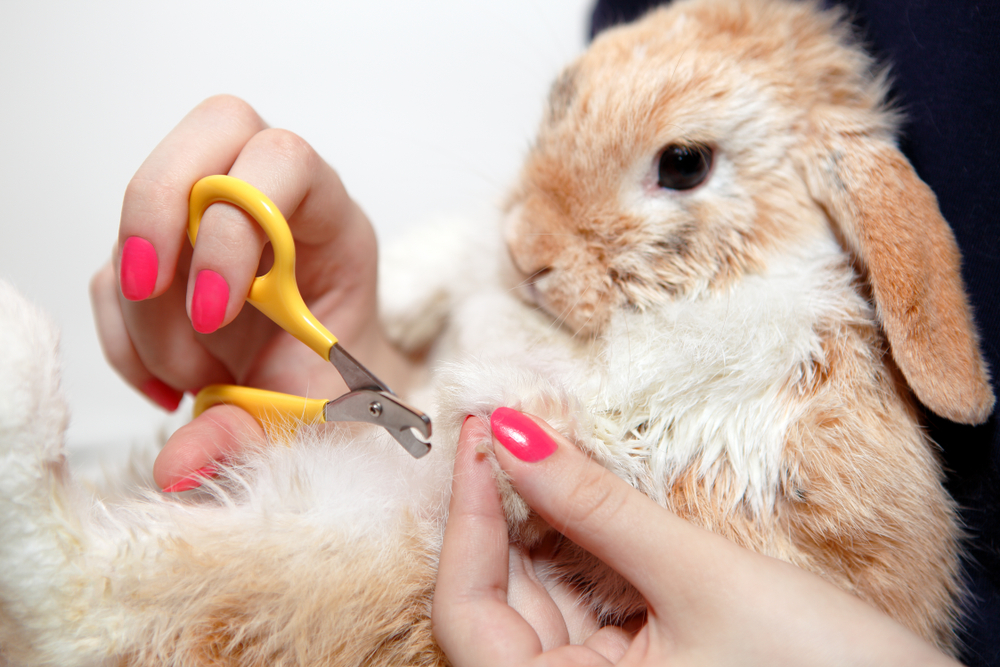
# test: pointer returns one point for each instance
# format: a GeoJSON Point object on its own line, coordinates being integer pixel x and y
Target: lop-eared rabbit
{"type": "Point", "coordinates": [717, 275]}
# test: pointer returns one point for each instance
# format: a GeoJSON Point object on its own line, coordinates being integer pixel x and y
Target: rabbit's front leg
{"type": "Point", "coordinates": [477, 387]}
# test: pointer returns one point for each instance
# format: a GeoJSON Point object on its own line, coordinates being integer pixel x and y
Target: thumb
{"type": "Point", "coordinates": [190, 454]}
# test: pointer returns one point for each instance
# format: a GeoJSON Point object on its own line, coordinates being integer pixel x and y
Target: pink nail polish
{"type": "Point", "coordinates": [162, 394]}
{"type": "Point", "coordinates": [521, 436]}
{"type": "Point", "coordinates": [208, 303]}
{"type": "Point", "coordinates": [192, 481]}
{"type": "Point", "coordinates": [137, 268]}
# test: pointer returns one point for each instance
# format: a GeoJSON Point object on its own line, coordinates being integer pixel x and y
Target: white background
{"type": "Point", "coordinates": [424, 108]}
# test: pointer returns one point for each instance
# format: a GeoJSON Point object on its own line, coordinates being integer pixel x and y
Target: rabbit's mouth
{"type": "Point", "coordinates": [530, 291]}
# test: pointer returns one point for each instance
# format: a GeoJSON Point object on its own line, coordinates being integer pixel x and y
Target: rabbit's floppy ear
{"type": "Point", "coordinates": [890, 220]}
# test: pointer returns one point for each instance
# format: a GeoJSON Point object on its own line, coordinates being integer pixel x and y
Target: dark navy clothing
{"type": "Point", "coordinates": [945, 59]}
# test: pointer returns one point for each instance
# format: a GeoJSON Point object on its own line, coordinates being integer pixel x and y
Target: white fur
{"type": "Point", "coordinates": [704, 380]}
{"type": "Point", "coordinates": [68, 560]}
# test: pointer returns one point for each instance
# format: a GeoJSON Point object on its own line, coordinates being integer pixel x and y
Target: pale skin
{"type": "Point", "coordinates": [710, 601]}
{"type": "Point", "coordinates": [336, 268]}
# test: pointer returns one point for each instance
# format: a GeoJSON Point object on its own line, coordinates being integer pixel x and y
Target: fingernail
{"type": "Point", "coordinates": [192, 481]}
{"type": "Point", "coordinates": [162, 394]}
{"type": "Point", "coordinates": [520, 435]}
{"type": "Point", "coordinates": [208, 303]}
{"type": "Point", "coordinates": [137, 274]}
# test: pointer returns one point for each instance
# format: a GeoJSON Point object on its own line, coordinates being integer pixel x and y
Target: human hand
{"type": "Point", "coordinates": [171, 320]}
{"type": "Point", "coordinates": [709, 601]}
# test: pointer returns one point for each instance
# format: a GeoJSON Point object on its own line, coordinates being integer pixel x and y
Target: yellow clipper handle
{"type": "Point", "coordinates": [272, 410]}
{"type": "Point", "coordinates": [276, 294]}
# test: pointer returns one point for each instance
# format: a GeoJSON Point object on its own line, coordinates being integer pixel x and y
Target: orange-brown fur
{"type": "Point", "coordinates": [905, 264]}
{"type": "Point", "coordinates": [347, 612]}
{"type": "Point", "coordinates": [865, 507]}
{"type": "Point", "coordinates": [861, 502]}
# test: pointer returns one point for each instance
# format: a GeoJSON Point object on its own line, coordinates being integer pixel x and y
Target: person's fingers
{"type": "Point", "coordinates": [229, 245]}
{"type": "Point", "coordinates": [164, 341]}
{"type": "Point", "coordinates": [336, 267]}
{"type": "Point", "coordinates": [152, 243]}
{"type": "Point", "coordinates": [594, 508]}
{"type": "Point", "coordinates": [117, 345]}
{"type": "Point", "coordinates": [154, 211]}
{"type": "Point", "coordinates": [191, 452]}
{"type": "Point", "coordinates": [335, 244]}
{"type": "Point", "coordinates": [311, 197]}
{"type": "Point", "coordinates": [335, 264]}
{"type": "Point", "coordinates": [579, 620]}
{"type": "Point", "coordinates": [471, 618]}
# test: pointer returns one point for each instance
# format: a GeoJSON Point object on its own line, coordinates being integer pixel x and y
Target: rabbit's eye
{"type": "Point", "coordinates": [684, 167]}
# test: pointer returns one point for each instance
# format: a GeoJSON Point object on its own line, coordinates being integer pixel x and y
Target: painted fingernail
{"type": "Point", "coordinates": [192, 481]}
{"type": "Point", "coordinates": [521, 436]}
{"type": "Point", "coordinates": [137, 268]}
{"type": "Point", "coordinates": [208, 303]}
{"type": "Point", "coordinates": [162, 394]}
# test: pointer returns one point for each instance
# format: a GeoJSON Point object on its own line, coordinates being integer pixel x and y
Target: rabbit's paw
{"type": "Point", "coordinates": [477, 387]}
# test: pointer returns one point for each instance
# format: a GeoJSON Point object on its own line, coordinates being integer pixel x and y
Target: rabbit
{"type": "Point", "coordinates": [716, 274]}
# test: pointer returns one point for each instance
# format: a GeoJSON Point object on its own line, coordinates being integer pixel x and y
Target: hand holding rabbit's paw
{"type": "Point", "coordinates": [709, 600]}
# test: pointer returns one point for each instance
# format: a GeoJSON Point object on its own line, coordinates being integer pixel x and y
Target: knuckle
{"type": "Point", "coordinates": [116, 351]}
{"type": "Point", "coordinates": [231, 107]}
{"type": "Point", "coordinates": [449, 613]}
{"type": "Point", "coordinates": [164, 366]}
{"type": "Point", "coordinates": [158, 354]}
{"type": "Point", "coordinates": [439, 619]}
{"type": "Point", "coordinates": [283, 145]}
{"type": "Point", "coordinates": [443, 618]}
{"type": "Point", "coordinates": [229, 240]}
{"type": "Point", "coordinates": [147, 198]}
{"type": "Point", "coordinates": [156, 359]}
{"type": "Point", "coordinates": [592, 500]}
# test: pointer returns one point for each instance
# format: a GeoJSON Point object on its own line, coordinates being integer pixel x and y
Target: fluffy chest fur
{"type": "Point", "coordinates": [707, 383]}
